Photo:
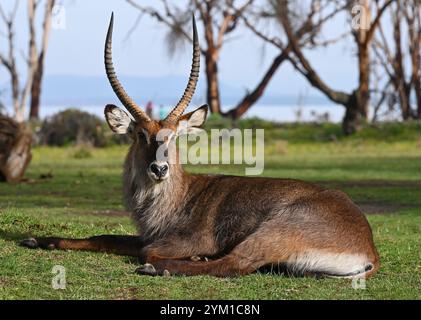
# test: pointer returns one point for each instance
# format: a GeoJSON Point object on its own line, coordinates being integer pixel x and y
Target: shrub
{"type": "Point", "coordinates": [216, 121]}
{"type": "Point", "coordinates": [76, 127]}
{"type": "Point", "coordinates": [391, 131]}
{"type": "Point", "coordinates": [82, 153]}
{"type": "Point", "coordinates": [72, 126]}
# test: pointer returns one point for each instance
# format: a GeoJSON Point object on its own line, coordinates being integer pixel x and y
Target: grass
{"type": "Point", "coordinates": [381, 176]}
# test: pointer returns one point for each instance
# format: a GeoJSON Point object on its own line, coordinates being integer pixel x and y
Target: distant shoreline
{"type": "Point", "coordinates": [278, 113]}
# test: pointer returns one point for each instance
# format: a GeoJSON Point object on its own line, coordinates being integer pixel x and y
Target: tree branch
{"type": "Point", "coordinates": [171, 23]}
{"type": "Point", "coordinates": [5, 62]}
{"type": "Point", "coordinates": [250, 98]}
{"type": "Point", "coordinates": [376, 21]}
{"type": "Point", "coordinates": [274, 41]}
{"type": "Point", "coordinates": [312, 76]}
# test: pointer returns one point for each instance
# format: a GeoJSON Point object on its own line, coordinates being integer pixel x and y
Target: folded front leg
{"type": "Point", "coordinates": [226, 266]}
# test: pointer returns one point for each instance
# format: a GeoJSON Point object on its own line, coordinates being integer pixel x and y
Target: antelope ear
{"type": "Point", "coordinates": [191, 122]}
{"type": "Point", "coordinates": [118, 120]}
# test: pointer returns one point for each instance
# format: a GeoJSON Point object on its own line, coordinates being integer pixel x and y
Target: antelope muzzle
{"type": "Point", "coordinates": [159, 171]}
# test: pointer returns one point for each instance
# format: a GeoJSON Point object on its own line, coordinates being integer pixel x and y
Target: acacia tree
{"type": "Point", "coordinates": [219, 19]}
{"type": "Point", "coordinates": [308, 21]}
{"type": "Point", "coordinates": [34, 59]}
{"type": "Point", "coordinates": [356, 102]}
{"type": "Point", "coordinates": [402, 67]}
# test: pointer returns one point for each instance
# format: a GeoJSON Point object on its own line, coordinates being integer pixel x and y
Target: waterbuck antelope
{"type": "Point", "coordinates": [241, 223]}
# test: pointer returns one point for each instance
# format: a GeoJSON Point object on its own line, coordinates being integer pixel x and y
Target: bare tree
{"type": "Point", "coordinates": [15, 139]}
{"type": "Point", "coordinates": [34, 60]}
{"type": "Point", "coordinates": [308, 27]}
{"type": "Point", "coordinates": [19, 94]}
{"type": "Point", "coordinates": [40, 57]}
{"type": "Point", "coordinates": [356, 102]}
{"type": "Point", "coordinates": [219, 19]}
{"type": "Point", "coordinates": [403, 67]}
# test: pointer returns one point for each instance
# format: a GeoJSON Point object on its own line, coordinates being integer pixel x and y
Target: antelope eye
{"type": "Point", "coordinates": [142, 136]}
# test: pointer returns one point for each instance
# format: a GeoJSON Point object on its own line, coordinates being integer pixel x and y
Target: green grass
{"type": "Point", "coordinates": [386, 176]}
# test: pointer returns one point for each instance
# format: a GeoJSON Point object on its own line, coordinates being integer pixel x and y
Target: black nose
{"type": "Point", "coordinates": [159, 170]}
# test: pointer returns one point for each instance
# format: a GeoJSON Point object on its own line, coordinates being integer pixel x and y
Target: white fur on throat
{"type": "Point", "coordinates": [153, 208]}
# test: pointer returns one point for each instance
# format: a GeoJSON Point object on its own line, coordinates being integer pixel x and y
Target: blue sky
{"type": "Point", "coordinates": [77, 50]}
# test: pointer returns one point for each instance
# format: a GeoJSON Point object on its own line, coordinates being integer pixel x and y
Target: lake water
{"type": "Point", "coordinates": [280, 113]}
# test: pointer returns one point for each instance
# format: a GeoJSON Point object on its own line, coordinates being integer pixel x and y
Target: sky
{"type": "Point", "coordinates": [77, 49]}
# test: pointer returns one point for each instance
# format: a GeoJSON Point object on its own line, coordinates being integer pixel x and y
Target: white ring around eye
{"type": "Point", "coordinates": [146, 134]}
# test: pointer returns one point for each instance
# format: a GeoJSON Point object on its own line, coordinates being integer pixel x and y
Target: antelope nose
{"type": "Point", "coordinates": [160, 170]}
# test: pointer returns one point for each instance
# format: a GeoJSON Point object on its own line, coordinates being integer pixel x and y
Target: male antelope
{"type": "Point", "coordinates": [241, 223]}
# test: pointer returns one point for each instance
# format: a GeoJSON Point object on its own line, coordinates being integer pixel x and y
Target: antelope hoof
{"type": "Point", "coordinates": [195, 258]}
{"type": "Point", "coordinates": [42, 243]}
{"type": "Point", "coordinates": [147, 270]}
{"type": "Point", "coordinates": [30, 243]}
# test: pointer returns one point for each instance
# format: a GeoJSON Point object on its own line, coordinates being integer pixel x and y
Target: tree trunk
{"type": "Point", "coordinates": [353, 118]}
{"type": "Point", "coordinates": [212, 93]}
{"type": "Point", "coordinates": [15, 149]}
{"type": "Point", "coordinates": [19, 112]}
{"type": "Point", "coordinates": [36, 85]}
{"type": "Point", "coordinates": [418, 97]}
{"type": "Point", "coordinates": [363, 90]}
{"type": "Point", "coordinates": [358, 103]}
{"type": "Point", "coordinates": [36, 91]}
{"type": "Point", "coordinates": [416, 70]}
{"type": "Point", "coordinates": [404, 92]}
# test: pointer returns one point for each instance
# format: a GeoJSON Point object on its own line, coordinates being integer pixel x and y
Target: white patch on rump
{"type": "Point", "coordinates": [335, 264]}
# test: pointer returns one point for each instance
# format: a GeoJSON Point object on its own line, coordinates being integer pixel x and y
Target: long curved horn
{"type": "Point", "coordinates": [191, 85]}
{"type": "Point", "coordinates": [118, 89]}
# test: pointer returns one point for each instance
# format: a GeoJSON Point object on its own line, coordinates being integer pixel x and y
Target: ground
{"type": "Point", "coordinates": [76, 193]}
